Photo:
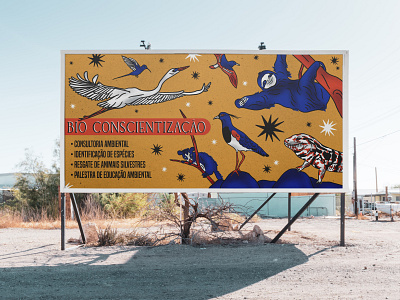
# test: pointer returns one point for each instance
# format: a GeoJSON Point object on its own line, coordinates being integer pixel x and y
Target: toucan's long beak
{"type": "Point", "coordinates": [216, 117]}
{"type": "Point", "coordinates": [182, 68]}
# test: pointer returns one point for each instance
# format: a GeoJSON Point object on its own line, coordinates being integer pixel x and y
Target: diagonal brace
{"type": "Point", "coordinates": [295, 217]}
{"type": "Point", "coordinates": [258, 209]}
{"type": "Point", "coordinates": [78, 217]}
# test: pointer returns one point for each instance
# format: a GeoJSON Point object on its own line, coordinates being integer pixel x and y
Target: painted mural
{"type": "Point", "coordinates": [207, 120]}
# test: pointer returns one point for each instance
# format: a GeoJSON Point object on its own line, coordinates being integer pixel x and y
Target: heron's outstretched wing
{"type": "Point", "coordinates": [93, 90]}
{"type": "Point", "coordinates": [158, 98]}
{"type": "Point", "coordinates": [131, 63]}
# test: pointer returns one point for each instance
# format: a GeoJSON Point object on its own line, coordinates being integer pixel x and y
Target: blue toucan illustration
{"type": "Point", "coordinates": [237, 139]}
{"type": "Point", "coordinates": [134, 66]}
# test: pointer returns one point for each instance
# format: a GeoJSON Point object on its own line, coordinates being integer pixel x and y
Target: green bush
{"type": "Point", "coordinates": [36, 187]}
{"type": "Point", "coordinates": [124, 205]}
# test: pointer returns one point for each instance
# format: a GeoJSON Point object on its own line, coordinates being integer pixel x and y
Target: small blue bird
{"type": "Point", "coordinates": [237, 139]}
{"type": "Point", "coordinates": [227, 67]}
{"type": "Point", "coordinates": [135, 67]}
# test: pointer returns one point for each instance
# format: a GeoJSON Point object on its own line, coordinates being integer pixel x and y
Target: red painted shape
{"type": "Point", "coordinates": [332, 84]}
{"type": "Point", "coordinates": [137, 126]}
{"type": "Point", "coordinates": [235, 135]}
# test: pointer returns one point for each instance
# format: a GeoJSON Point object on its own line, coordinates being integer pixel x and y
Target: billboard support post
{"type": "Point", "coordinates": [311, 200]}
{"type": "Point", "coordinates": [257, 210]}
{"type": "Point", "coordinates": [62, 221]}
{"type": "Point", "coordinates": [78, 217]}
{"type": "Point", "coordinates": [342, 218]}
{"type": "Point", "coordinates": [289, 208]}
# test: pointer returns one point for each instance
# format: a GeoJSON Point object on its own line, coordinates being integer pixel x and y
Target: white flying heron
{"type": "Point", "coordinates": [120, 97]}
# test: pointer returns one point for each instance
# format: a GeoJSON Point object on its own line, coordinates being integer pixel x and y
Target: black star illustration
{"type": "Point", "coordinates": [256, 57]}
{"type": "Point", "coordinates": [267, 169]}
{"type": "Point", "coordinates": [309, 124]}
{"type": "Point", "coordinates": [334, 60]}
{"type": "Point", "coordinates": [195, 75]}
{"type": "Point", "coordinates": [210, 102]}
{"type": "Point", "coordinates": [181, 177]}
{"type": "Point", "coordinates": [161, 60]}
{"type": "Point", "coordinates": [157, 149]}
{"type": "Point", "coordinates": [96, 59]}
{"type": "Point", "coordinates": [269, 128]}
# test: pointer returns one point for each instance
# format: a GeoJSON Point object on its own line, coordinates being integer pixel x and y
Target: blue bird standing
{"type": "Point", "coordinates": [134, 66]}
{"type": "Point", "coordinates": [227, 67]}
{"type": "Point", "coordinates": [237, 139]}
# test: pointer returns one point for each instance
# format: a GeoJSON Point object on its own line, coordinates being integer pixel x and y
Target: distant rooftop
{"type": "Point", "coordinates": [7, 180]}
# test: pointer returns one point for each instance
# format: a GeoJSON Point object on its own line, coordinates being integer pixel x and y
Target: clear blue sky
{"type": "Point", "coordinates": [32, 33]}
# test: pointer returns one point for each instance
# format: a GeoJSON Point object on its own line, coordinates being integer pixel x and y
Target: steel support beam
{"type": "Point", "coordinates": [258, 209]}
{"type": "Point", "coordinates": [78, 217]}
{"type": "Point", "coordinates": [62, 221]}
{"type": "Point", "coordinates": [342, 218]}
{"type": "Point", "coordinates": [295, 217]}
{"type": "Point", "coordinates": [289, 207]}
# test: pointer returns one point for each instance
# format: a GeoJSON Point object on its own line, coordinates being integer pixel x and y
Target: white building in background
{"type": "Point", "coordinates": [381, 202]}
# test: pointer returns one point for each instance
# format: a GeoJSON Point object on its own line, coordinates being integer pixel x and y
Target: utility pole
{"type": "Point", "coordinates": [376, 180]}
{"type": "Point", "coordinates": [355, 179]}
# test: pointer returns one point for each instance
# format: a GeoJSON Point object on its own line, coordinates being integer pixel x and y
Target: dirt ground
{"type": "Point", "coordinates": [307, 264]}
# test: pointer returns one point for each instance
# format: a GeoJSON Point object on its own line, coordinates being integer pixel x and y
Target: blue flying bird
{"type": "Point", "coordinates": [135, 67]}
{"type": "Point", "coordinates": [237, 139]}
{"type": "Point", "coordinates": [227, 67]}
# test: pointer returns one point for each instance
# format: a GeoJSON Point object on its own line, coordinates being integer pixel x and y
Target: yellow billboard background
{"type": "Point", "coordinates": [221, 96]}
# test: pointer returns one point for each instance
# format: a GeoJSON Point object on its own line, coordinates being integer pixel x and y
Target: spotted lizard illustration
{"type": "Point", "coordinates": [315, 154]}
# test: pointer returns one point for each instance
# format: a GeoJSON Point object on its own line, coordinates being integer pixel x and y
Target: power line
{"type": "Point", "coordinates": [379, 137]}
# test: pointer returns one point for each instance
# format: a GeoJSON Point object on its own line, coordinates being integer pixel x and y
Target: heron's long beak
{"type": "Point", "coordinates": [182, 68]}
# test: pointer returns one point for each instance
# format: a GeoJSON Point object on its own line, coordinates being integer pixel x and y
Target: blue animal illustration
{"type": "Point", "coordinates": [207, 163]}
{"type": "Point", "coordinates": [237, 139]}
{"type": "Point", "coordinates": [134, 66]}
{"type": "Point", "coordinates": [303, 95]}
{"type": "Point", "coordinates": [227, 67]}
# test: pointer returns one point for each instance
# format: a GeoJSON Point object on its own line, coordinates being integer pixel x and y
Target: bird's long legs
{"type": "Point", "coordinates": [103, 110]}
{"type": "Point", "coordinates": [243, 157]}
{"type": "Point", "coordinates": [237, 166]}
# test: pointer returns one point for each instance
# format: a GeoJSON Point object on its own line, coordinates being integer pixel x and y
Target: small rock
{"type": "Point", "coordinates": [91, 233]}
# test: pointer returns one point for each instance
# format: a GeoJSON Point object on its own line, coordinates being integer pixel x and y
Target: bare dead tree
{"type": "Point", "coordinates": [191, 213]}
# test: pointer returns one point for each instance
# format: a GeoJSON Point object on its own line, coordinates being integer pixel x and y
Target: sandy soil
{"type": "Point", "coordinates": [308, 264]}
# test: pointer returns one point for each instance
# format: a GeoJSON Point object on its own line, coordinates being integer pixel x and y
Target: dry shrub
{"type": "Point", "coordinates": [28, 218]}
{"type": "Point", "coordinates": [92, 210]}
{"type": "Point", "coordinates": [10, 218]}
{"type": "Point", "coordinates": [135, 238]}
{"type": "Point", "coordinates": [108, 236]}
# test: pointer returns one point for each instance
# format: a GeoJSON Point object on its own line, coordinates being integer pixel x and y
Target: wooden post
{"type": "Point", "coordinates": [355, 179]}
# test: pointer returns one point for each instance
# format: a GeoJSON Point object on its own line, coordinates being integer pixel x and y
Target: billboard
{"type": "Point", "coordinates": [204, 120]}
